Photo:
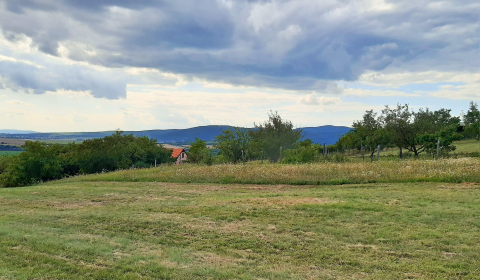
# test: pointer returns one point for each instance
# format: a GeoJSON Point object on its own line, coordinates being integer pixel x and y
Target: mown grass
{"type": "Point", "coordinates": [467, 146]}
{"type": "Point", "coordinates": [128, 230]}
{"type": "Point", "coordinates": [445, 170]}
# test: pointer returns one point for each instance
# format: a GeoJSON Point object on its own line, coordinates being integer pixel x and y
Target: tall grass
{"type": "Point", "coordinates": [445, 170]}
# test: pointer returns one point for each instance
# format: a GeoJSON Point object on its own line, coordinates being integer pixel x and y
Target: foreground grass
{"type": "Point", "coordinates": [104, 230]}
{"type": "Point", "coordinates": [447, 170]}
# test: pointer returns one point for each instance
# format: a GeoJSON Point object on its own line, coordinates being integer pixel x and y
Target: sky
{"type": "Point", "coordinates": [93, 65]}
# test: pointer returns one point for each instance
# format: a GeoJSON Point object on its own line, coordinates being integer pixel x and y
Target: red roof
{"type": "Point", "coordinates": [177, 152]}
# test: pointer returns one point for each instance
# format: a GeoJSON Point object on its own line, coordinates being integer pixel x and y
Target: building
{"type": "Point", "coordinates": [180, 155]}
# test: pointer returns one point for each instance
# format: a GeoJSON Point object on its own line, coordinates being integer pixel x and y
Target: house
{"type": "Point", "coordinates": [180, 155]}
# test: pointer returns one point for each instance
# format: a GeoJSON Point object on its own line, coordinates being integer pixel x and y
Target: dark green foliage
{"type": "Point", "coordinates": [300, 155]}
{"type": "Point", "coordinates": [370, 133]}
{"type": "Point", "coordinates": [199, 153]}
{"type": "Point", "coordinates": [446, 137]}
{"type": "Point", "coordinates": [4, 162]}
{"type": "Point", "coordinates": [405, 126]}
{"type": "Point", "coordinates": [416, 132]}
{"type": "Point", "coordinates": [237, 145]}
{"type": "Point", "coordinates": [43, 162]}
{"type": "Point", "coordinates": [472, 121]}
{"type": "Point", "coordinates": [305, 152]}
{"type": "Point", "coordinates": [275, 134]}
{"type": "Point", "coordinates": [9, 148]}
{"type": "Point", "coordinates": [39, 162]}
{"type": "Point", "coordinates": [119, 151]}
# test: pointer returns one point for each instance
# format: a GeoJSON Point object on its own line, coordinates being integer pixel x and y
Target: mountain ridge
{"type": "Point", "coordinates": [327, 134]}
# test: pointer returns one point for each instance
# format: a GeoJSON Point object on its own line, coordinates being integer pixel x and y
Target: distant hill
{"type": "Point", "coordinates": [322, 134]}
{"type": "Point", "coordinates": [327, 134]}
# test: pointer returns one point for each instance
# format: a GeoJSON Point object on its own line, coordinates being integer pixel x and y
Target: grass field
{"type": "Point", "coordinates": [445, 170]}
{"type": "Point", "coordinates": [129, 230]}
{"type": "Point", "coordinates": [467, 146]}
{"type": "Point", "coordinates": [409, 219]}
{"type": "Point", "coordinates": [9, 153]}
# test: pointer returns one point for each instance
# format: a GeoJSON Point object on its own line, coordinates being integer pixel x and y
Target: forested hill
{"type": "Point", "coordinates": [327, 134]}
{"type": "Point", "coordinates": [322, 134]}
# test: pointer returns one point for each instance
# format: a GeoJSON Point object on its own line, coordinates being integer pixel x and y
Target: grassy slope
{"type": "Point", "coordinates": [467, 146]}
{"type": "Point", "coordinates": [84, 230]}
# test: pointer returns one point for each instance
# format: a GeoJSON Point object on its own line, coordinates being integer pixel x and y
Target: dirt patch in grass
{"type": "Point", "coordinates": [461, 186]}
{"type": "Point", "coordinates": [75, 205]}
{"type": "Point", "coordinates": [362, 247]}
{"type": "Point", "coordinates": [160, 198]}
{"type": "Point", "coordinates": [217, 260]}
{"type": "Point", "coordinates": [280, 201]}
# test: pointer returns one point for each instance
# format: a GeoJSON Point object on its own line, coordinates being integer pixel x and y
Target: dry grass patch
{"type": "Point", "coordinates": [445, 170]}
{"type": "Point", "coordinates": [217, 260]}
{"type": "Point", "coordinates": [278, 201]}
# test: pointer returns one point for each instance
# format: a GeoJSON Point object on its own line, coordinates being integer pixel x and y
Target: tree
{"type": "Point", "coordinates": [198, 152]}
{"type": "Point", "coordinates": [275, 134]}
{"type": "Point", "coordinates": [39, 162]}
{"type": "Point", "coordinates": [446, 137]}
{"type": "Point", "coordinates": [472, 121]}
{"type": "Point", "coordinates": [370, 132]}
{"type": "Point", "coordinates": [236, 145]}
{"type": "Point", "coordinates": [43, 162]}
{"type": "Point", "coordinates": [304, 152]}
{"type": "Point", "coordinates": [119, 151]}
{"type": "Point", "coordinates": [405, 126]}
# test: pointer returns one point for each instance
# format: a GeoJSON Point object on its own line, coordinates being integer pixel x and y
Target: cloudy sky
{"type": "Point", "coordinates": [90, 65]}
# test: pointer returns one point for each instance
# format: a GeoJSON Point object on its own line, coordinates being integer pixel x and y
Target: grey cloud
{"type": "Point", "coordinates": [18, 75]}
{"type": "Point", "coordinates": [299, 45]}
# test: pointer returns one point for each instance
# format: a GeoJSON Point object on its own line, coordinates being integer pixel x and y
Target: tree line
{"type": "Point", "coordinates": [276, 139]}
{"type": "Point", "coordinates": [422, 131]}
{"type": "Point", "coordinates": [265, 141]}
{"type": "Point", "coordinates": [42, 162]}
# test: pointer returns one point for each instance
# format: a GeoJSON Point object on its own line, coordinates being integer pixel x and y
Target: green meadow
{"type": "Point", "coordinates": [386, 219]}
{"type": "Point", "coordinates": [9, 153]}
{"type": "Point", "coordinates": [118, 226]}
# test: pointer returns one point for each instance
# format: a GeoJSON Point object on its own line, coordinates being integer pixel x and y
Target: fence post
{"type": "Point", "coordinates": [438, 148]}
{"type": "Point", "coordinates": [324, 151]}
{"type": "Point", "coordinates": [280, 159]}
{"type": "Point", "coordinates": [155, 162]}
{"type": "Point", "coordinates": [362, 152]}
{"type": "Point", "coordinates": [378, 151]}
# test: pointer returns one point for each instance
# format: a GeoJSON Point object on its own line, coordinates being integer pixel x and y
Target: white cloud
{"type": "Point", "coordinates": [383, 93]}
{"type": "Point", "coordinates": [470, 91]}
{"type": "Point", "coordinates": [406, 78]}
{"type": "Point", "coordinates": [313, 99]}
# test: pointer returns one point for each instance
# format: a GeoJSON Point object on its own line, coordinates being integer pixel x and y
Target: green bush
{"type": "Point", "coordinates": [43, 162]}
{"type": "Point", "coordinates": [302, 154]}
